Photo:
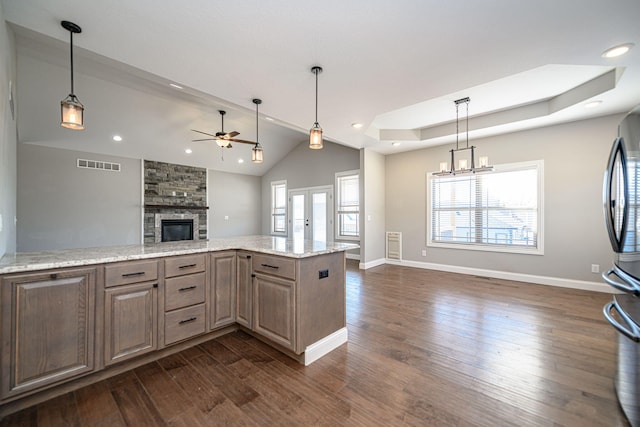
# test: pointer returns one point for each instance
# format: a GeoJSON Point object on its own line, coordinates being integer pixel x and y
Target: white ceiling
{"type": "Point", "coordinates": [395, 66]}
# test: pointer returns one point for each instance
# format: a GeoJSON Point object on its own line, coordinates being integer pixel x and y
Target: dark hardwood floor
{"type": "Point", "coordinates": [425, 348]}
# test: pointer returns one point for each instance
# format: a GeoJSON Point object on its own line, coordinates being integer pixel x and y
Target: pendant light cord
{"type": "Point", "coordinates": [71, 50]}
{"type": "Point", "coordinates": [257, 140]}
{"type": "Point", "coordinates": [316, 73]}
{"type": "Point", "coordinates": [467, 123]}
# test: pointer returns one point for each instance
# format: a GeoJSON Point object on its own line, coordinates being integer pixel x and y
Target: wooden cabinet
{"type": "Point", "coordinates": [223, 289]}
{"type": "Point", "coordinates": [244, 289]}
{"type": "Point", "coordinates": [130, 310]}
{"type": "Point", "coordinates": [131, 321]}
{"type": "Point", "coordinates": [47, 330]}
{"type": "Point", "coordinates": [185, 294]}
{"type": "Point", "coordinates": [274, 309]}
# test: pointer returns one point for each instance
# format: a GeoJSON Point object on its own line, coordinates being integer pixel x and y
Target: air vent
{"type": "Point", "coordinates": [97, 164]}
{"type": "Point", "coordinates": [394, 245]}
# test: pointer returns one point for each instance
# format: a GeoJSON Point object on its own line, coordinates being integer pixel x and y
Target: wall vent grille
{"type": "Point", "coordinates": [98, 164]}
{"type": "Point", "coordinates": [394, 245]}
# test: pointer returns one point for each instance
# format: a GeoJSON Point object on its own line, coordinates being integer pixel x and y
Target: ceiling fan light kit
{"type": "Point", "coordinates": [71, 109]}
{"type": "Point", "coordinates": [315, 134]}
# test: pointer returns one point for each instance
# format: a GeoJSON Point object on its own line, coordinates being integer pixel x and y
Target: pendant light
{"type": "Point", "coordinates": [463, 166]}
{"type": "Point", "coordinates": [71, 108]}
{"type": "Point", "coordinates": [256, 151]}
{"type": "Point", "coordinates": [315, 134]}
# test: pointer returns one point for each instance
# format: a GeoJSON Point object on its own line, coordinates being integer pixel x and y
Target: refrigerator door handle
{"type": "Point", "coordinates": [629, 284]}
{"type": "Point", "coordinates": [633, 332]}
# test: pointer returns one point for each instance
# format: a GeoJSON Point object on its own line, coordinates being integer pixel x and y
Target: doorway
{"type": "Point", "coordinates": [311, 214]}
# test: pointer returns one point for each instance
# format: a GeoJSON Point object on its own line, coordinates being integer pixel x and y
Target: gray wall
{"type": "Point", "coordinates": [372, 217]}
{"type": "Point", "coordinates": [575, 156]}
{"type": "Point", "coordinates": [8, 140]}
{"type": "Point", "coordinates": [61, 206]}
{"type": "Point", "coordinates": [304, 167]}
{"type": "Point", "coordinates": [237, 197]}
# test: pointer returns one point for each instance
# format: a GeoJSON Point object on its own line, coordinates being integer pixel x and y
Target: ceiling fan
{"type": "Point", "coordinates": [222, 138]}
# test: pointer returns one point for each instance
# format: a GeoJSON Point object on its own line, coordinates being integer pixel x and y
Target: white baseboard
{"type": "Point", "coordinates": [519, 277]}
{"type": "Point", "coordinates": [371, 264]}
{"type": "Point", "coordinates": [353, 256]}
{"type": "Point", "coordinates": [327, 344]}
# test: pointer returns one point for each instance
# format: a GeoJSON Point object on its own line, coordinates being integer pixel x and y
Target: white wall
{"type": "Point", "coordinates": [237, 197]}
{"type": "Point", "coordinates": [575, 156]}
{"type": "Point", "coordinates": [8, 139]}
{"type": "Point", "coordinates": [61, 206]}
{"type": "Point", "coordinates": [372, 217]}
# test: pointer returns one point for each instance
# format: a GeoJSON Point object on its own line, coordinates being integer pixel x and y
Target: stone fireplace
{"type": "Point", "coordinates": [178, 195]}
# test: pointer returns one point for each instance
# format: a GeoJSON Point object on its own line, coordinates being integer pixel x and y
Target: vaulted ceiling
{"type": "Point", "coordinates": [394, 66]}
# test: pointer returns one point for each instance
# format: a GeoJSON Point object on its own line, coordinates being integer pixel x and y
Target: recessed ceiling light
{"type": "Point", "coordinates": [240, 160]}
{"type": "Point", "coordinates": [117, 138]}
{"type": "Point", "coordinates": [268, 118]}
{"type": "Point", "coordinates": [356, 125]}
{"type": "Point", "coordinates": [592, 104]}
{"type": "Point", "coordinates": [617, 50]}
{"type": "Point", "coordinates": [175, 85]}
{"type": "Point", "coordinates": [188, 151]}
{"type": "Point", "coordinates": [395, 144]}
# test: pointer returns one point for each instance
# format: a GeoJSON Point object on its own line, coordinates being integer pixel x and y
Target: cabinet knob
{"type": "Point", "coordinates": [53, 276]}
{"type": "Point", "coordinates": [253, 275]}
{"type": "Point", "coordinates": [155, 285]}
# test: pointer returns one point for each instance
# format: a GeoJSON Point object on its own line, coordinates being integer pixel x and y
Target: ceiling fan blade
{"type": "Point", "coordinates": [204, 133]}
{"type": "Point", "coordinates": [241, 141]}
{"type": "Point", "coordinates": [205, 139]}
{"type": "Point", "coordinates": [231, 134]}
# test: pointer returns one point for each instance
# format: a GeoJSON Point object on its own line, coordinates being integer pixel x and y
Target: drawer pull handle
{"type": "Point", "coordinates": [275, 267]}
{"type": "Point", "coordinates": [188, 288]}
{"type": "Point", "coordinates": [191, 319]}
{"type": "Point", "coordinates": [139, 273]}
{"type": "Point", "coordinates": [187, 266]}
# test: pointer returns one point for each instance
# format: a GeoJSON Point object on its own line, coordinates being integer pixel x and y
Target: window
{"type": "Point", "coordinates": [348, 205]}
{"type": "Point", "coordinates": [279, 207]}
{"type": "Point", "coordinates": [497, 211]}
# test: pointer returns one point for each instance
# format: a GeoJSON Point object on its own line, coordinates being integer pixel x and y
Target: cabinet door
{"type": "Point", "coordinates": [244, 293]}
{"type": "Point", "coordinates": [131, 321]}
{"type": "Point", "coordinates": [223, 289]}
{"type": "Point", "coordinates": [47, 328]}
{"type": "Point", "coordinates": [274, 309]}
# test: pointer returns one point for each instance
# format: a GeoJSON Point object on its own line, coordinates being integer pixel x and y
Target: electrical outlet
{"type": "Point", "coordinates": [424, 252]}
{"type": "Point", "coordinates": [595, 268]}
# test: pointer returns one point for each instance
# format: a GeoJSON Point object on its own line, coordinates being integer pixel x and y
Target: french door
{"type": "Point", "coordinates": [311, 214]}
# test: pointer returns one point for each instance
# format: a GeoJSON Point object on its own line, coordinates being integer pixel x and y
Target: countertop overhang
{"type": "Point", "coordinates": [293, 248]}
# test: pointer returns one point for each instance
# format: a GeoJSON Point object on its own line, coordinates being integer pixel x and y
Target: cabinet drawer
{"type": "Point", "coordinates": [130, 272]}
{"type": "Point", "coordinates": [184, 323]}
{"type": "Point", "coordinates": [179, 265]}
{"type": "Point", "coordinates": [276, 266]}
{"type": "Point", "coordinates": [184, 291]}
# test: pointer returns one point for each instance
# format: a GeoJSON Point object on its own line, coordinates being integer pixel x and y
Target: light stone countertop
{"type": "Point", "coordinates": [33, 261]}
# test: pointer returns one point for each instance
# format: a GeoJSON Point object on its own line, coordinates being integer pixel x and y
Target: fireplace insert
{"type": "Point", "coordinates": [176, 229]}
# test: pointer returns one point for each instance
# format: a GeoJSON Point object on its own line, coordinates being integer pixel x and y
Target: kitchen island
{"type": "Point", "coordinates": [73, 317]}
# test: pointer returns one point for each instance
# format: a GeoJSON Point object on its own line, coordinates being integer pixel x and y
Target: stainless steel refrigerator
{"type": "Point", "coordinates": [621, 194]}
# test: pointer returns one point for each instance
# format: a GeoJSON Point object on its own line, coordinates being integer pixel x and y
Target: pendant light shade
{"type": "Point", "coordinates": [256, 154]}
{"type": "Point", "coordinates": [71, 109]}
{"type": "Point", "coordinates": [256, 151]}
{"type": "Point", "coordinates": [315, 134]}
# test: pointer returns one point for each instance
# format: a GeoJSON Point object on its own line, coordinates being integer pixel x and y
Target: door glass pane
{"type": "Point", "coordinates": [319, 217]}
{"type": "Point", "coordinates": [297, 204]}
